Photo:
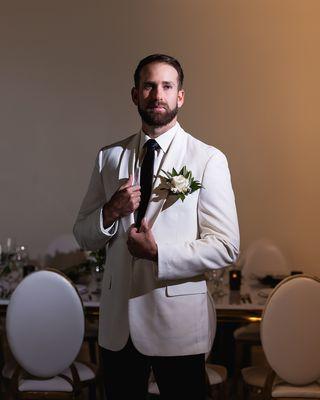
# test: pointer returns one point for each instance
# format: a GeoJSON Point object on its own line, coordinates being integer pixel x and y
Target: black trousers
{"type": "Point", "coordinates": [126, 375]}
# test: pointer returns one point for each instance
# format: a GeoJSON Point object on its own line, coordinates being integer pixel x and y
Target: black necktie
{"type": "Point", "coordinates": [146, 178]}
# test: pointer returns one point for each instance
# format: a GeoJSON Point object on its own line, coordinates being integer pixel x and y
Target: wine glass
{"type": "Point", "coordinates": [216, 279]}
{"type": "Point", "coordinates": [7, 250]}
{"type": "Point", "coordinates": [7, 261]}
{"type": "Point", "coordinates": [22, 255]}
{"type": "Point", "coordinates": [97, 275]}
{"type": "Point", "coordinates": [17, 262]}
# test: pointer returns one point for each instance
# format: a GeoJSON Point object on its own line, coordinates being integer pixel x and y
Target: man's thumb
{"type": "Point", "coordinates": [128, 183]}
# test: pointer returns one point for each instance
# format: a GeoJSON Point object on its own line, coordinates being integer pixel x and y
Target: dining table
{"type": "Point", "coordinates": [241, 306]}
{"type": "Point", "coordinates": [233, 308]}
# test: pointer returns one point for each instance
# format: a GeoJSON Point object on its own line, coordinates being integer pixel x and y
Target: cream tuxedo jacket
{"type": "Point", "coordinates": [165, 305]}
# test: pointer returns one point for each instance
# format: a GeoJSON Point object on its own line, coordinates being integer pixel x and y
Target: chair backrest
{"type": "Point", "coordinates": [63, 244]}
{"type": "Point", "coordinates": [64, 251]}
{"type": "Point", "coordinates": [263, 257]}
{"type": "Point", "coordinates": [45, 323]}
{"type": "Point", "coordinates": [290, 329]}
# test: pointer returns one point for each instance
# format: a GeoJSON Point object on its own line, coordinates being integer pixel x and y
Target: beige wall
{"type": "Point", "coordinates": [252, 82]}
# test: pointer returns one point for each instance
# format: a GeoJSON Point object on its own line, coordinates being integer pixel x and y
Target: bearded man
{"type": "Point", "coordinates": [162, 203]}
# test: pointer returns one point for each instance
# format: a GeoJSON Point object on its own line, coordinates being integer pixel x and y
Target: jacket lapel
{"type": "Point", "coordinates": [127, 167]}
{"type": "Point", "coordinates": [172, 159]}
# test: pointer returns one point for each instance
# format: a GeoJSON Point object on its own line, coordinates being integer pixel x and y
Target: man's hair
{"type": "Point", "coordinates": [159, 58]}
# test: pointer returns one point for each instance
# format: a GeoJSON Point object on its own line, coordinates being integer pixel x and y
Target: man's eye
{"type": "Point", "coordinates": [148, 87]}
{"type": "Point", "coordinates": [167, 86]}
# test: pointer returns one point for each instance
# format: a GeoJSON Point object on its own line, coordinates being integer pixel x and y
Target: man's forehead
{"type": "Point", "coordinates": [159, 69]}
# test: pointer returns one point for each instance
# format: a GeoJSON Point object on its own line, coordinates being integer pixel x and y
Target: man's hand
{"type": "Point", "coordinates": [124, 201]}
{"type": "Point", "coordinates": [141, 243]}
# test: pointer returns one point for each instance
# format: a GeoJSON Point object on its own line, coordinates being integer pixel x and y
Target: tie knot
{"type": "Point", "coordinates": [152, 144]}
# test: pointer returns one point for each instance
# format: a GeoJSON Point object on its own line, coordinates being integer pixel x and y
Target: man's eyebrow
{"type": "Point", "coordinates": [163, 83]}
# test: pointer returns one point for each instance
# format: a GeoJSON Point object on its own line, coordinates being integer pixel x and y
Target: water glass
{"type": "Point", "coordinates": [97, 275]}
{"type": "Point", "coordinates": [216, 282]}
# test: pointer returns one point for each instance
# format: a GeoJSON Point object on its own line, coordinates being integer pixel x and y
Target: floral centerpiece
{"type": "Point", "coordinates": [80, 271]}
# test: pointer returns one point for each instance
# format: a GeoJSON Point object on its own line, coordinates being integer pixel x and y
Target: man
{"type": "Point", "coordinates": [163, 229]}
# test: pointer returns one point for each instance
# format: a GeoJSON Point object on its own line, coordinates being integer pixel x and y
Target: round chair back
{"type": "Point", "coordinates": [45, 323]}
{"type": "Point", "coordinates": [263, 257]}
{"type": "Point", "coordinates": [290, 329]}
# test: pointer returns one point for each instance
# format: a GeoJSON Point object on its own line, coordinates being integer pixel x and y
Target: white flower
{"type": "Point", "coordinates": [180, 184]}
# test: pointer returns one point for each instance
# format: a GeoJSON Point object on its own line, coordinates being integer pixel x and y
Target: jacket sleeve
{"type": "Point", "coordinates": [87, 228]}
{"type": "Point", "coordinates": [218, 242]}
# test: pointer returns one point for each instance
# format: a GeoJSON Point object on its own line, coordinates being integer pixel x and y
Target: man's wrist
{"type": "Point", "coordinates": [110, 215]}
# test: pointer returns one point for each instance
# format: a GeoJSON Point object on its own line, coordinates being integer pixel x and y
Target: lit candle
{"type": "Point", "coordinates": [235, 279]}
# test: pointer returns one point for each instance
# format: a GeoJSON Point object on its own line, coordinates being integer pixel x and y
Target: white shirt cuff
{"type": "Point", "coordinates": [111, 230]}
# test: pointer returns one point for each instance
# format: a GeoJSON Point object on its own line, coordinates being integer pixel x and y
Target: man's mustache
{"type": "Point", "coordinates": [157, 104]}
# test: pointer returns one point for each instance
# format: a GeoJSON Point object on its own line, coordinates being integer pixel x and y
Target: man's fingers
{"type": "Point", "coordinates": [128, 183]}
{"type": "Point", "coordinates": [130, 191]}
{"type": "Point", "coordinates": [135, 195]}
{"type": "Point", "coordinates": [144, 225]}
{"type": "Point", "coordinates": [133, 190]}
{"type": "Point", "coordinates": [132, 230]}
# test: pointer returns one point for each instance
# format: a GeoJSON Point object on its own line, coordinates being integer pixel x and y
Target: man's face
{"type": "Point", "coordinates": [158, 96]}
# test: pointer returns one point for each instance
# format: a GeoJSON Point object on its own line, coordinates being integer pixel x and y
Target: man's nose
{"type": "Point", "coordinates": [158, 93]}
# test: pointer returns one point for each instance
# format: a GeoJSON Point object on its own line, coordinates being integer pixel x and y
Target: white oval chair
{"type": "Point", "coordinates": [64, 251]}
{"type": "Point", "coordinates": [290, 335]}
{"type": "Point", "coordinates": [45, 328]}
{"type": "Point", "coordinates": [262, 257]}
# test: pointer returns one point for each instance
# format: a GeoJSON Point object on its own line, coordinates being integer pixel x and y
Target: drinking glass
{"type": "Point", "coordinates": [22, 256]}
{"type": "Point", "coordinates": [216, 282]}
{"type": "Point", "coordinates": [7, 250]}
{"type": "Point", "coordinates": [97, 275]}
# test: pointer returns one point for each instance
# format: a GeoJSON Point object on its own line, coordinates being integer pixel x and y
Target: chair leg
{"type": "Point", "coordinates": [92, 350]}
{"type": "Point", "coordinates": [100, 381]}
{"type": "Point", "coordinates": [101, 391]}
{"type": "Point", "coordinates": [92, 391]}
{"type": "Point", "coordinates": [218, 391]}
{"type": "Point", "coordinates": [224, 391]}
{"type": "Point", "coordinates": [241, 390]}
{"type": "Point", "coordinates": [243, 356]}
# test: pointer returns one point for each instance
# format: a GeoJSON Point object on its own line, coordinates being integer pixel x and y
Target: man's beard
{"type": "Point", "coordinates": [154, 119]}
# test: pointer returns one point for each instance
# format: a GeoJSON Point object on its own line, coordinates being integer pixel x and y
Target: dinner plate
{"type": "Point", "coordinates": [265, 292]}
{"type": "Point", "coordinates": [271, 280]}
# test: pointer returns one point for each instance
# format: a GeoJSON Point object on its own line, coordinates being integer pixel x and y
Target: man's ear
{"type": "Point", "coordinates": [134, 95]}
{"type": "Point", "coordinates": [180, 98]}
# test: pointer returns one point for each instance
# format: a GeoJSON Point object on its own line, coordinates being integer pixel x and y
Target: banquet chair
{"type": "Point", "coordinates": [216, 378]}
{"type": "Point", "coordinates": [262, 257]}
{"type": "Point", "coordinates": [216, 375]}
{"type": "Point", "coordinates": [45, 329]}
{"type": "Point", "coordinates": [290, 335]}
{"type": "Point", "coordinates": [216, 382]}
{"type": "Point", "coordinates": [65, 251]}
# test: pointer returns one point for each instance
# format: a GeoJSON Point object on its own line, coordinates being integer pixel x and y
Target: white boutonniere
{"type": "Point", "coordinates": [180, 183]}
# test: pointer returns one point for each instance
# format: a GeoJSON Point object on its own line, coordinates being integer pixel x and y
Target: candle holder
{"type": "Point", "coordinates": [235, 279]}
